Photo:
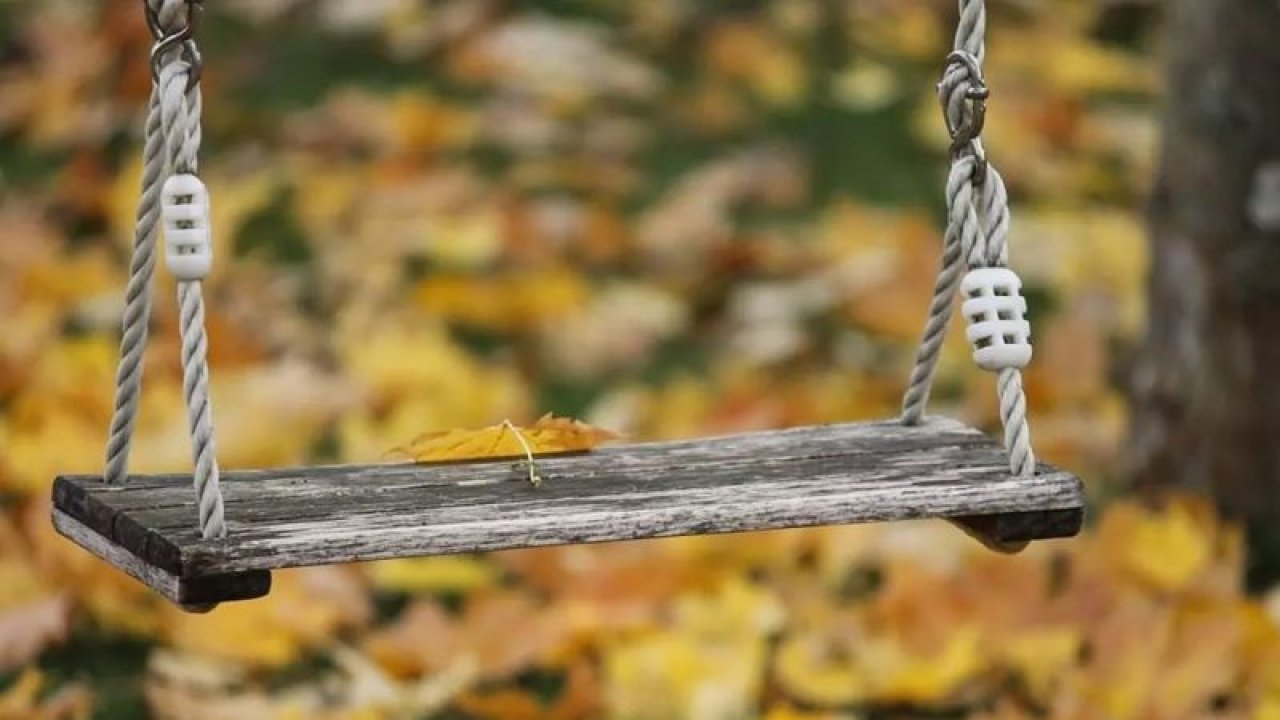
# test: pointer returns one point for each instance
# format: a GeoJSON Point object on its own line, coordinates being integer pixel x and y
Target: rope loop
{"type": "Point", "coordinates": [963, 93]}
{"type": "Point", "coordinates": [172, 34]}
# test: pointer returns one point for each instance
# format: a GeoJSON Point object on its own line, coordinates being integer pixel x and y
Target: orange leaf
{"type": "Point", "coordinates": [549, 436]}
{"type": "Point", "coordinates": [505, 633]}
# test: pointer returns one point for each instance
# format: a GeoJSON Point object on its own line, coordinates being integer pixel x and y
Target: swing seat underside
{"type": "Point", "coordinates": [825, 475]}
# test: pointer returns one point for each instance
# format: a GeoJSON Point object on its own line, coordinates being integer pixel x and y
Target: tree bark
{"type": "Point", "coordinates": [1207, 380]}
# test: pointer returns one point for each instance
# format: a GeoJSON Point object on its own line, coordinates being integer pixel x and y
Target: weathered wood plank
{"type": "Point", "coordinates": [193, 593]}
{"type": "Point", "coordinates": [1012, 532]}
{"type": "Point", "coordinates": [875, 439]}
{"type": "Point", "coordinates": [808, 476]}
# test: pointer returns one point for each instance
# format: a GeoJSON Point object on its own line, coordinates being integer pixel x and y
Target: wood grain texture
{"type": "Point", "coordinates": [835, 474]}
{"type": "Point", "coordinates": [197, 593]}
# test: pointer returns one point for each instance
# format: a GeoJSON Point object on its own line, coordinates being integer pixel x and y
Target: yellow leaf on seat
{"type": "Point", "coordinates": [549, 436]}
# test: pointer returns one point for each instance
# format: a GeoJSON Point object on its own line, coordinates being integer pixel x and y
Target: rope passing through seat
{"type": "Point", "coordinates": [977, 238]}
{"type": "Point", "coordinates": [172, 195]}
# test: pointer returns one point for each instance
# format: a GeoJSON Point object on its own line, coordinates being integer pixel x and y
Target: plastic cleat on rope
{"type": "Point", "coordinates": [996, 312]}
{"type": "Point", "coordinates": [187, 234]}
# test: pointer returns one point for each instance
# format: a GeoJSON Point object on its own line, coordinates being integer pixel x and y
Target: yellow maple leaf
{"type": "Point", "coordinates": [1167, 548]}
{"type": "Point", "coordinates": [550, 435]}
{"type": "Point", "coordinates": [273, 632]}
{"type": "Point", "coordinates": [709, 663]}
{"type": "Point", "coordinates": [670, 674]}
{"type": "Point", "coordinates": [898, 674]}
{"type": "Point", "coordinates": [1042, 655]}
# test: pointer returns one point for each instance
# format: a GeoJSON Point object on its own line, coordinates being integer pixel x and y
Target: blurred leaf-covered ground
{"type": "Point", "coordinates": [670, 218]}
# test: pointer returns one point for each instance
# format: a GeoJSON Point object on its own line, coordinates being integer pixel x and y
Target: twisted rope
{"type": "Point", "coordinates": [978, 225]}
{"type": "Point", "coordinates": [963, 233]}
{"type": "Point", "coordinates": [171, 15]}
{"type": "Point", "coordinates": [935, 331]}
{"type": "Point", "coordinates": [1013, 415]}
{"type": "Point", "coordinates": [971, 31]}
{"type": "Point", "coordinates": [180, 108]}
{"type": "Point", "coordinates": [137, 312]}
{"type": "Point", "coordinates": [172, 146]}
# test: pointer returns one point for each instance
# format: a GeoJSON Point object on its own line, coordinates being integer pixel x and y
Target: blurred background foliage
{"type": "Point", "coordinates": [670, 218]}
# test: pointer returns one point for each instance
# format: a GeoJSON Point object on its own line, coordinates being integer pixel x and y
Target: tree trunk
{"type": "Point", "coordinates": [1207, 381]}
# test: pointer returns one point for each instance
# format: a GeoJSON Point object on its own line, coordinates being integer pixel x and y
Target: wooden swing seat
{"type": "Point", "coordinates": [825, 475]}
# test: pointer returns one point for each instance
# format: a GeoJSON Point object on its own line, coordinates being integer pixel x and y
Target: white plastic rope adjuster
{"type": "Point", "coordinates": [996, 311]}
{"type": "Point", "coordinates": [187, 235]}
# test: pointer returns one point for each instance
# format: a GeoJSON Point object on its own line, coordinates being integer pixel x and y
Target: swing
{"type": "Point", "coordinates": [222, 543]}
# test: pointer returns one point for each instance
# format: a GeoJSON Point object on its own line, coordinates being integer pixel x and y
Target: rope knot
{"type": "Point", "coordinates": [963, 93]}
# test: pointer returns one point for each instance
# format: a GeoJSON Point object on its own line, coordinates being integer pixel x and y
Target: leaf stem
{"type": "Point", "coordinates": [534, 478]}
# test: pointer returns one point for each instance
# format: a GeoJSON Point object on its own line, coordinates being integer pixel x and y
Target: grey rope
{"type": "Point", "coordinates": [971, 31]}
{"type": "Point", "coordinates": [171, 15]}
{"type": "Point", "coordinates": [180, 113]}
{"type": "Point", "coordinates": [944, 293]}
{"type": "Point", "coordinates": [1013, 415]}
{"type": "Point", "coordinates": [977, 234]}
{"type": "Point", "coordinates": [137, 313]}
{"type": "Point", "coordinates": [173, 124]}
